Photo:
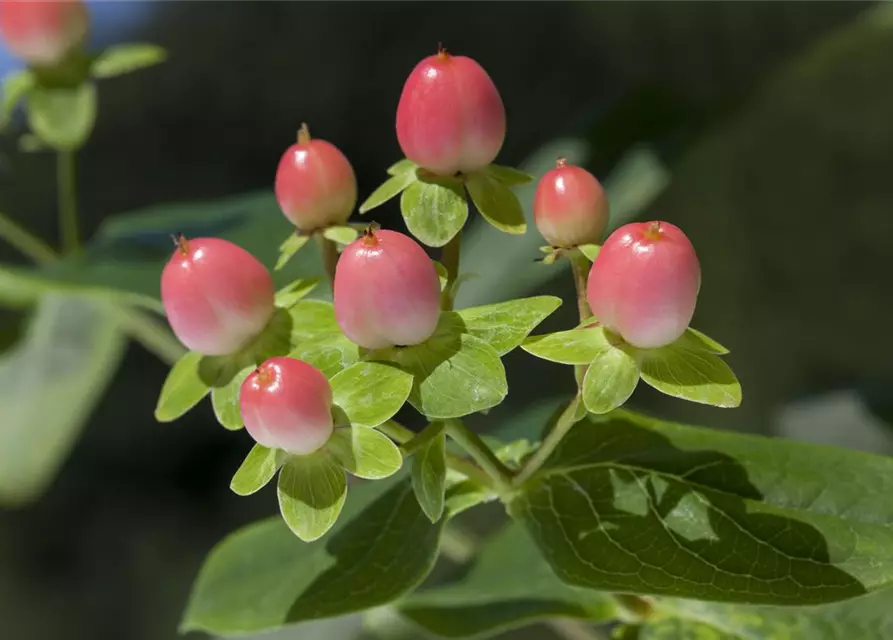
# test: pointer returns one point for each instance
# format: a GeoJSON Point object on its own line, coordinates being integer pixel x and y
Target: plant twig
{"type": "Point", "coordinates": [67, 198]}
{"type": "Point", "coordinates": [25, 242]}
{"type": "Point", "coordinates": [579, 268]}
{"type": "Point", "coordinates": [329, 251]}
{"type": "Point", "coordinates": [481, 453]}
{"type": "Point", "coordinates": [450, 261]}
{"type": "Point", "coordinates": [564, 423]}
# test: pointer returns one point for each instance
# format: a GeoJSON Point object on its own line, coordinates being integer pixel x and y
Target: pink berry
{"type": "Point", "coordinates": [450, 117]}
{"type": "Point", "coordinates": [42, 32]}
{"type": "Point", "coordinates": [315, 185]}
{"type": "Point", "coordinates": [644, 283]}
{"type": "Point", "coordinates": [217, 296]}
{"type": "Point", "coordinates": [287, 404]}
{"type": "Point", "coordinates": [387, 291]}
{"type": "Point", "coordinates": [570, 207]}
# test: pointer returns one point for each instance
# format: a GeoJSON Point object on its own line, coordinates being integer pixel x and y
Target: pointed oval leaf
{"type": "Point", "coordinates": [497, 203]}
{"type": "Point", "coordinates": [317, 339]}
{"type": "Point", "coordinates": [434, 211]}
{"type": "Point", "coordinates": [290, 294]}
{"type": "Point", "coordinates": [441, 274]}
{"type": "Point", "coordinates": [509, 176]}
{"type": "Point", "coordinates": [505, 325]}
{"type": "Point", "coordinates": [256, 471]}
{"type": "Point", "coordinates": [697, 376]}
{"type": "Point", "coordinates": [402, 166]}
{"type": "Point", "coordinates": [341, 235]}
{"type": "Point", "coordinates": [121, 59]}
{"type": "Point", "coordinates": [610, 380]}
{"type": "Point", "coordinates": [311, 492]}
{"type": "Point", "coordinates": [576, 346]}
{"type": "Point", "coordinates": [429, 476]}
{"type": "Point", "coordinates": [390, 188]}
{"type": "Point", "coordinates": [63, 118]}
{"type": "Point", "coordinates": [590, 251]}
{"type": "Point", "coordinates": [182, 389]}
{"type": "Point", "coordinates": [694, 340]}
{"type": "Point", "coordinates": [225, 400]}
{"type": "Point", "coordinates": [365, 453]}
{"type": "Point", "coordinates": [635, 505]}
{"type": "Point", "coordinates": [262, 577]}
{"type": "Point", "coordinates": [370, 393]}
{"type": "Point", "coordinates": [289, 248]}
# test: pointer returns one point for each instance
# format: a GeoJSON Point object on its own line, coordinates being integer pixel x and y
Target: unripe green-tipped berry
{"type": "Point", "coordinates": [315, 184]}
{"type": "Point", "coordinates": [287, 404]}
{"type": "Point", "coordinates": [450, 117]}
{"type": "Point", "coordinates": [42, 32]}
{"type": "Point", "coordinates": [570, 207]}
{"type": "Point", "coordinates": [644, 283]}
{"type": "Point", "coordinates": [387, 291]}
{"type": "Point", "coordinates": [217, 296]}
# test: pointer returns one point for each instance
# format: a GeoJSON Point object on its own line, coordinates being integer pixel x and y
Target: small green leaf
{"type": "Point", "coordinates": [16, 86]}
{"type": "Point", "coordinates": [697, 376]}
{"type": "Point", "coordinates": [342, 235]}
{"type": "Point", "coordinates": [496, 202]}
{"type": "Point", "coordinates": [311, 492]}
{"type": "Point", "coordinates": [610, 380]}
{"type": "Point", "coordinates": [694, 340]}
{"type": "Point", "coordinates": [121, 59]}
{"type": "Point", "coordinates": [390, 188]}
{"type": "Point", "coordinates": [509, 176]}
{"type": "Point", "coordinates": [506, 324]}
{"type": "Point", "coordinates": [429, 476]}
{"type": "Point", "coordinates": [182, 389]}
{"type": "Point", "coordinates": [370, 393]}
{"type": "Point", "coordinates": [262, 578]}
{"type": "Point", "coordinates": [63, 118]}
{"type": "Point", "coordinates": [225, 400]}
{"type": "Point", "coordinates": [441, 274]}
{"type": "Point", "coordinates": [465, 494]}
{"type": "Point", "coordinates": [590, 251]}
{"type": "Point", "coordinates": [454, 373]}
{"type": "Point", "coordinates": [317, 339]}
{"type": "Point", "coordinates": [256, 471]}
{"type": "Point", "coordinates": [365, 453]}
{"type": "Point", "coordinates": [509, 586]}
{"type": "Point", "coordinates": [290, 294]}
{"type": "Point", "coordinates": [434, 211]}
{"type": "Point", "coordinates": [576, 346]}
{"type": "Point", "coordinates": [402, 166]}
{"type": "Point", "coordinates": [289, 248]}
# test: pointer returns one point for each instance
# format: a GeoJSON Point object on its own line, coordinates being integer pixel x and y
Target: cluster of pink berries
{"type": "Point", "coordinates": [450, 120]}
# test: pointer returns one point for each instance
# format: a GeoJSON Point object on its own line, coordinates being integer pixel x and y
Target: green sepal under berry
{"type": "Point", "coordinates": [368, 393]}
{"type": "Point", "coordinates": [256, 471]}
{"type": "Point", "coordinates": [364, 453]}
{"type": "Point", "coordinates": [311, 490]}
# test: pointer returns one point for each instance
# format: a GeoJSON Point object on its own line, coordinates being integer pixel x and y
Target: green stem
{"type": "Point", "coordinates": [564, 423]}
{"type": "Point", "coordinates": [25, 242]}
{"type": "Point", "coordinates": [481, 453]}
{"type": "Point", "coordinates": [580, 268]}
{"type": "Point", "coordinates": [421, 439]}
{"type": "Point", "coordinates": [67, 196]}
{"type": "Point", "coordinates": [449, 258]}
{"type": "Point", "coordinates": [329, 251]}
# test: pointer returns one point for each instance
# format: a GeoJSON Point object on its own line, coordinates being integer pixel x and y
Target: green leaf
{"type": "Point", "coordinates": [318, 339]}
{"type": "Point", "coordinates": [635, 505]}
{"type": "Point", "coordinates": [694, 340]}
{"type": "Point", "coordinates": [610, 380]}
{"type": "Point", "coordinates": [509, 586]}
{"type": "Point", "coordinates": [590, 251]}
{"type": "Point", "coordinates": [63, 118]}
{"type": "Point", "coordinates": [370, 393]}
{"type": "Point", "coordinates": [402, 166]}
{"type": "Point", "coordinates": [505, 325]}
{"type": "Point", "coordinates": [16, 86]}
{"type": "Point", "coordinates": [289, 248]}
{"type": "Point", "coordinates": [454, 373]}
{"type": "Point", "coordinates": [50, 383]}
{"type": "Point", "coordinates": [262, 577]}
{"type": "Point", "coordinates": [341, 235]}
{"type": "Point", "coordinates": [256, 471]}
{"type": "Point", "coordinates": [434, 211]}
{"type": "Point", "coordinates": [691, 375]}
{"type": "Point", "coordinates": [297, 290]}
{"type": "Point", "coordinates": [441, 274]}
{"type": "Point", "coordinates": [182, 389]}
{"type": "Point", "coordinates": [365, 453]}
{"type": "Point", "coordinates": [225, 400]}
{"type": "Point", "coordinates": [390, 188]}
{"type": "Point", "coordinates": [121, 59]}
{"type": "Point", "coordinates": [429, 476]}
{"type": "Point", "coordinates": [509, 176]}
{"type": "Point", "coordinates": [576, 346]}
{"type": "Point", "coordinates": [497, 203]}
{"type": "Point", "coordinates": [312, 490]}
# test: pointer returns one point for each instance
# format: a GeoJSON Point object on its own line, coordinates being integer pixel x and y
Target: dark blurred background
{"type": "Point", "coordinates": [765, 130]}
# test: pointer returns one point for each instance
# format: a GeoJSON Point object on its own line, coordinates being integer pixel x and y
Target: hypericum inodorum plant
{"type": "Point", "coordinates": [387, 291]}
{"type": "Point", "coordinates": [43, 32]}
{"type": "Point", "coordinates": [570, 207]}
{"type": "Point", "coordinates": [217, 296]}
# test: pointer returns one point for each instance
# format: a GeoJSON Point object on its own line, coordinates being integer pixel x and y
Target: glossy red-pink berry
{"type": "Point", "coordinates": [644, 283]}
{"type": "Point", "coordinates": [287, 404]}
{"type": "Point", "coordinates": [387, 291]}
{"type": "Point", "coordinates": [42, 32]}
{"type": "Point", "coordinates": [450, 118]}
{"type": "Point", "coordinates": [315, 184]}
{"type": "Point", "coordinates": [570, 207]}
{"type": "Point", "coordinates": [217, 296]}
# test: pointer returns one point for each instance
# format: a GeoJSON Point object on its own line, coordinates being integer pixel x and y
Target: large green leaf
{"type": "Point", "coordinates": [49, 384]}
{"type": "Point", "coordinates": [263, 577]}
{"type": "Point", "coordinates": [496, 202]}
{"type": "Point", "coordinates": [434, 210]}
{"type": "Point", "coordinates": [631, 504]}
{"type": "Point", "coordinates": [504, 325]}
{"type": "Point", "coordinates": [509, 586]}
{"type": "Point", "coordinates": [311, 490]}
{"type": "Point", "coordinates": [370, 393]}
